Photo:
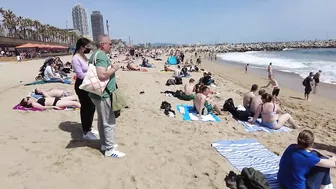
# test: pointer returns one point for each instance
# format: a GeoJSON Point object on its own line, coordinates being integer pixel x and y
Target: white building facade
{"type": "Point", "coordinates": [80, 19]}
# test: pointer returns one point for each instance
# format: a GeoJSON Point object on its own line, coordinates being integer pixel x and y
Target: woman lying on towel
{"type": "Point", "coordinates": [203, 104]}
{"type": "Point", "coordinates": [268, 110]}
{"type": "Point", "coordinates": [301, 168]}
{"type": "Point", "coordinates": [44, 103]}
{"type": "Point", "coordinates": [59, 93]}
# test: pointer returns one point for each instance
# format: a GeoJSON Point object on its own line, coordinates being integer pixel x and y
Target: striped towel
{"type": "Point", "coordinates": [250, 153]}
{"type": "Point", "coordinates": [256, 127]}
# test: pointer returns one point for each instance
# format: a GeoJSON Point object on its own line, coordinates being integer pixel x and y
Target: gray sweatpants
{"type": "Point", "coordinates": [106, 122]}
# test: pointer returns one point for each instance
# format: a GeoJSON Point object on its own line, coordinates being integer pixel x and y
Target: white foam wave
{"type": "Point", "coordinates": [285, 64]}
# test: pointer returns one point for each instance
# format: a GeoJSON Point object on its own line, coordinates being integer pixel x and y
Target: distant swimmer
{"type": "Point", "coordinates": [246, 67]}
{"type": "Point", "coordinates": [307, 83]}
{"type": "Point", "coordinates": [276, 87]}
{"type": "Point", "coordinates": [270, 71]}
{"type": "Point", "coordinates": [317, 80]}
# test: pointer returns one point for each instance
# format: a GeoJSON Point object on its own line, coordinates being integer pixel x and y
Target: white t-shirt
{"type": "Point", "coordinates": [48, 73]}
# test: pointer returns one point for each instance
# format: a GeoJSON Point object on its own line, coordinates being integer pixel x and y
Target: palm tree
{"type": "Point", "coordinates": [32, 30]}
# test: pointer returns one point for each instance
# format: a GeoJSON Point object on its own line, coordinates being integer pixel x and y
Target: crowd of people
{"type": "Point", "coordinates": [300, 167]}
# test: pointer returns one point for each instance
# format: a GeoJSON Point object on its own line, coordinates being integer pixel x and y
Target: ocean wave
{"type": "Point", "coordinates": [281, 62]}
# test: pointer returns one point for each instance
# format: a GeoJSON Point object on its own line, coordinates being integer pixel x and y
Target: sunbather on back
{"type": "Point", "coordinates": [49, 102]}
{"type": "Point", "coordinates": [53, 93]}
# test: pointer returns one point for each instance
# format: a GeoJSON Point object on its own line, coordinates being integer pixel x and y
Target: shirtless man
{"type": "Point", "coordinates": [203, 104]}
{"type": "Point", "coordinates": [247, 99]}
{"type": "Point", "coordinates": [57, 93]}
{"type": "Point", "coordinates": [270, 71]}
{"type": "Point", "coordinates": [276, 88]}
{"type": "Point", "coordinates": [189, 90]}
{"type": "Point", "coordinates": [256, 101]}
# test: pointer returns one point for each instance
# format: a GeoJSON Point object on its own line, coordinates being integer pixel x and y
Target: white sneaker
{"type": "Point", "coordinates": [114, 153]}
{"type": "Point", "coordinates": [103, 148]}
{"type": "Point", "coordinates": [89, 136]}
{"type": "Point", "coordinates": [94, 131]}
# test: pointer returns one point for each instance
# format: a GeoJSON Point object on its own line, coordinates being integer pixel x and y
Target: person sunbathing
{"type": "Point", "coordinates": [270, 119]}
{"type": "Point", "coordinates": [167, 68]}
{"type": "Point", "coordinates": [146, 64]}
{"type": "Point", "coordinates": [57, 93]}
{"type": "Point", "coordinates": [203, 104]}
{"type": "Point", "coordinates": [134, 67]}
{"type": "Point", "coordinates": [44, 103]}
{"type": "Point", "coordinates": [301, 168]}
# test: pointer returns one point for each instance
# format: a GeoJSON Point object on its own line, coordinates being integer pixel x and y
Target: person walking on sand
{"type": "Point", "coordinates": [317, 80]}
{"type": "Point", "coordinates": [80, 66]}
{"type": "Point", "coordinates": [106, 116]}
{"type": "Point", "coordinates": [270, 70]}
{"type": "Point", "coordinates": [307, 83]}
{"type": "Point", "coordinates": [247, 65]}
{"type": "Point", "coordinates": [276, 87]}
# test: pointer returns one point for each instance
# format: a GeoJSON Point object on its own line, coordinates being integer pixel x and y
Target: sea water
{"type": "Point", "coordinates": [298, 61]}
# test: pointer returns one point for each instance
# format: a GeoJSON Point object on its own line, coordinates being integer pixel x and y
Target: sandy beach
{"type": "Point", "coordinates": [46, 149]}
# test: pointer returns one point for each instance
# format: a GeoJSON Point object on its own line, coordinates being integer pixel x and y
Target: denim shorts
{"type": "Point", "coordinates": [269, 125]}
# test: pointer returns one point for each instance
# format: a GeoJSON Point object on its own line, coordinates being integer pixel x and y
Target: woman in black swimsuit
{"type": "Point", "coordinates": [49, 102]}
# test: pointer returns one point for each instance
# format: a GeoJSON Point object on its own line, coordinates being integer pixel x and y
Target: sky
{"type": "Point", "coordinates": [193, 21]}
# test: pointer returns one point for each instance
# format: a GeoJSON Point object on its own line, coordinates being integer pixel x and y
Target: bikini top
{"type": "Point", "coordinates": [41, 101]}
{"type": "Point", "coordinates": [268, 113]}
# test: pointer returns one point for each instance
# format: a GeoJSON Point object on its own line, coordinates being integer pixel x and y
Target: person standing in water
{"type": "Point", "coordinates": [246, 68]}
{"type": "Point", "coordinates": [307, 83]}
{"type": "Point", "coordinates": [317, 80]}
{"type": "Point", "coordinates": [270, 71]}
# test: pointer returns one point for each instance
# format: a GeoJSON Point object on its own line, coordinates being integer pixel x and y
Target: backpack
{"type": "Point", "coordinates": [170, 82]}
{"type": "Point", "coordinates": [165, 105]}
{"type": "Point", "coordinates": [240, 115]}
{"type": "Point", "coordinates": [229, 105]}
{"type": "Point", "coordinates": [254, 179]}
{"type": "Point", "coordinates": [178, 81]}
{"type": "Point", "coordinates": [305, 82]}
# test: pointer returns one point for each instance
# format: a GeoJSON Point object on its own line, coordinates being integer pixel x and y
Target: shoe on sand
{"type": "Point", "coordinates": [114, 153]}
{"type": "Point", "coordinates": [89, 136]}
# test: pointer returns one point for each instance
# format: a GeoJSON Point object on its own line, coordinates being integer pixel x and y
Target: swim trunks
{"type": "Point", "coordinates": [187, 97]}
{"type": "Point", "coordinates": [276, 92]}
{"type": "Point", "coordinates": [207, 109]}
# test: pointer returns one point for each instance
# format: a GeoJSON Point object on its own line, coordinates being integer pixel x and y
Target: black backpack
{"type": "Point", "coordinates": [165, 105]}
{"type": "Point", "coordinates": [254, 179]}
{"type": "Point", "coordinates": [229, 105]}
{"type": "Point", "coordinates": [178, 81]}
{"type": "Point", "coordinates": [240, 115]}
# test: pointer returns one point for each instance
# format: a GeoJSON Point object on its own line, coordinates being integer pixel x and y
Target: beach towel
{"type": "Point", "coordinates": [21, 108]}
{"type": "Point", "coordinates": [250, 153]}
{"type": "Point", "coordinates": [190, 114]}
{"type": "Point", "coordinates": [257, 127]}
{"type": "Point", "coordinates": [40, 82]}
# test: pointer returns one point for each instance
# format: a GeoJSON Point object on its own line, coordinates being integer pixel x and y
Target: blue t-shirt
{"type": "Point", "coordinates": [295, 164]}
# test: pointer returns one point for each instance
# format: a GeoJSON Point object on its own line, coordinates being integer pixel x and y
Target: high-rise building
{"type": "Point", "coordinates": [97, 24]}
{"type": "Point", "coordinates": [80, 20]}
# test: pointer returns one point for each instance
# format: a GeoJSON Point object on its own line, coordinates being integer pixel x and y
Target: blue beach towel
{"type": "Point", "coordinates": [40, 82]}
{"type": "Point", "coordinates": [257, 127]}
{"type": "Point", "coordinates": [190, 114]}
{"type": "Point", "coordinates": [250, 153]}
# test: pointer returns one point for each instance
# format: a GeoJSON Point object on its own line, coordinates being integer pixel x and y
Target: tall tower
{"type": "Point", "coordinates": [80, 20]}
{"type": "Point", "coordinates": [97, 24]}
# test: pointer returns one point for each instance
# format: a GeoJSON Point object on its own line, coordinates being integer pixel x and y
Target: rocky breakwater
{"type": "Point", "coordinates": [273, 46]}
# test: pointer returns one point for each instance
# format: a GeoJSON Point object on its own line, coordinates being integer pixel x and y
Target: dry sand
{"type": "Point", "coordinates": [45, 149]}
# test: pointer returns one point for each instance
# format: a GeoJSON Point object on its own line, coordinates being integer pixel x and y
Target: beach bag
{"type": "Point", "coordinates": [254, 179]}
{"type": "Point", "coordinates": [170, 82]}
{"type": "Point", "coordinates": [118, 100]}
{"type": "Point", "coordinates": [178, 81]}
{"type": "Point", "coordinates": [91, 82]}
